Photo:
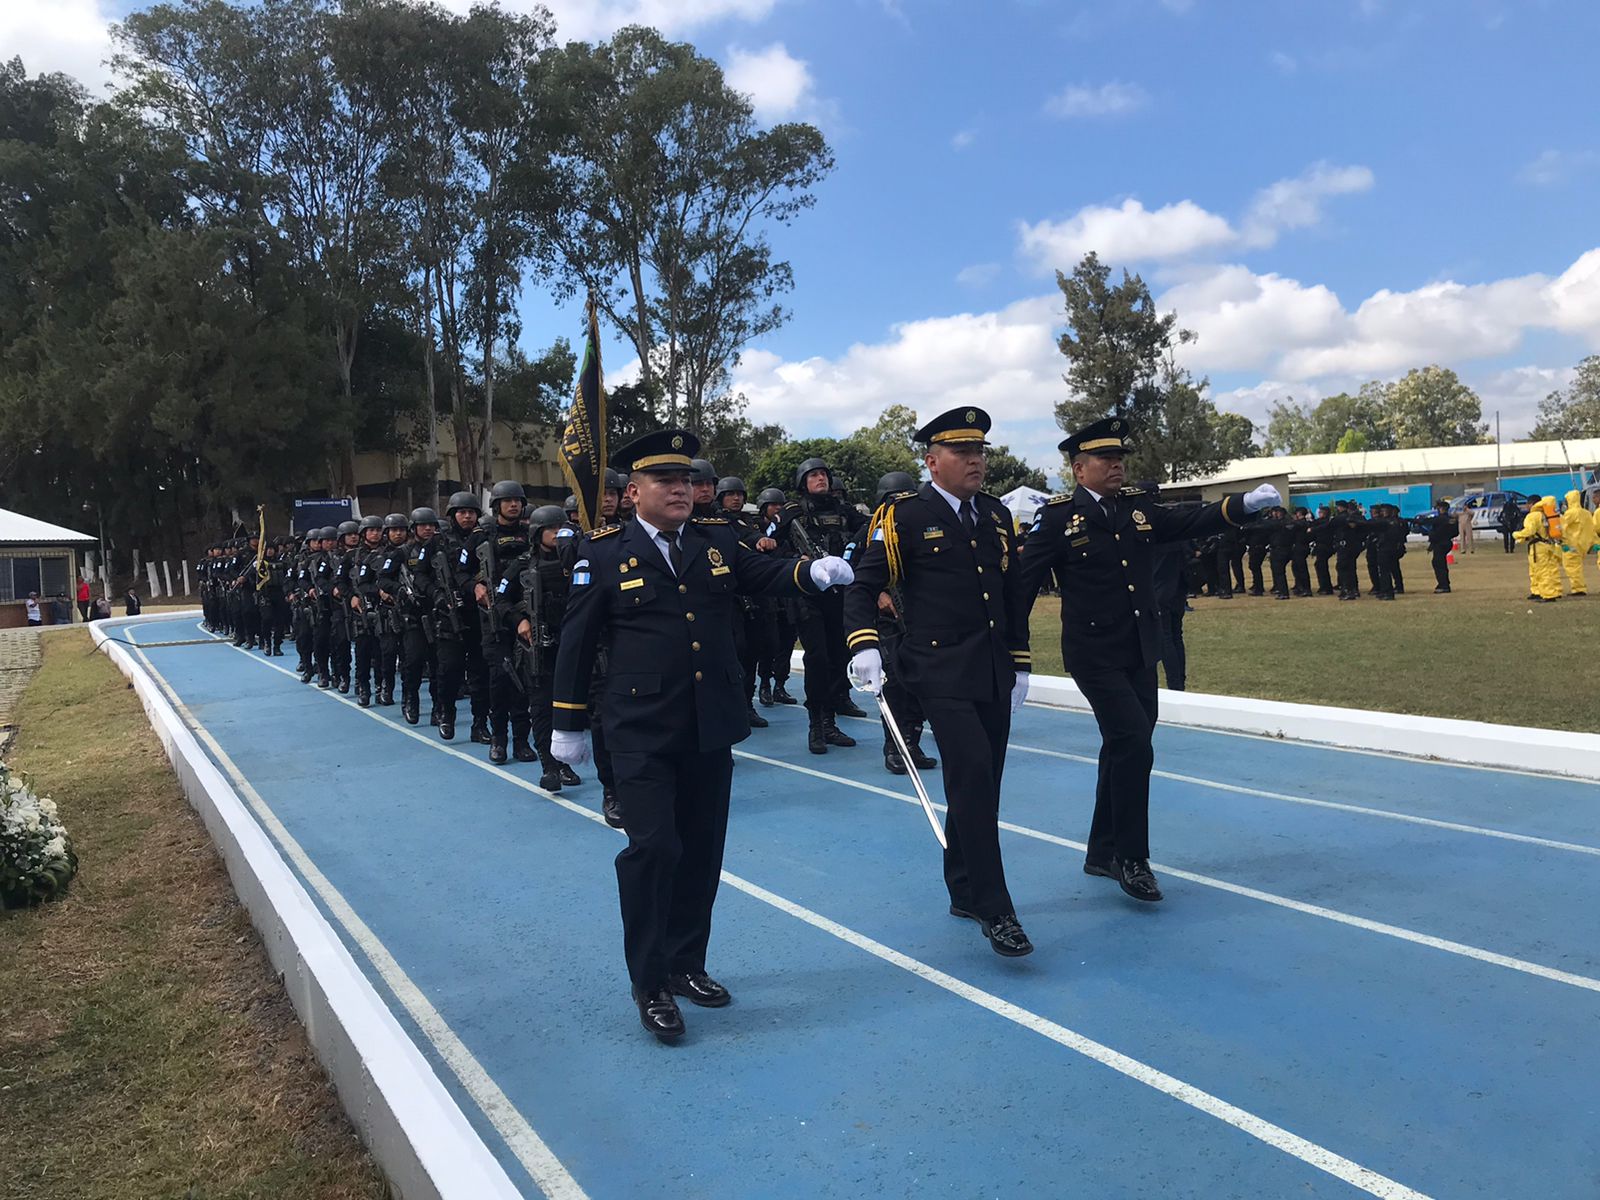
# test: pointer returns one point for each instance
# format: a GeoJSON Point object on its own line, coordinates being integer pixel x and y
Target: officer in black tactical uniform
{"type": "Point", "coordinates": [396, 533]}
{"type": "Point", "coordinates": [504, 540]}
{"type": "Point", "coordinates": [408, 576]}
{"type": "Point", "coordinates": [1439, 527]}
{"type": "Point", "coordinates": [1324, 543]}
{"type": "Point", "coordinates": [341, 644]}
{"type": "Point", "coordinates": [1097, 542]}
{"type": "Point", "coordinates": [945, 555]}
{"type": "Point", "coordinates": [364, 607]}
{"type": "Point", "coordinates": [1280, 548]}
{"type": "Point", "coordinates": [1349, 536]}
{"type": "Point", "coordinates": [773, 667]}
{"type": "Point", "coordinates": [461, 537]}
{"type": "Point", "coordinates": [271, 605]}
{"type": "Point", "coordinates": [530, 599]}
{"type": "Point", "coordinates": [1300, 552]}
{"type": "Point", "coordinates": [817, 525]}
{"type": "Point", "coordinates": [703, 482]}
{"type": "Point", "coordinates": [661, 589]}
{"type": "Point", "coordinates": [753, 624]}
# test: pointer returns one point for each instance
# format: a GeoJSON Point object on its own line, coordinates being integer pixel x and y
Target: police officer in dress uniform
{"type": "Point", "coordinates": [662, 590]}
{"type": "Point", "coordinates": [1098, 541]}
{"type": "Point", "coordinates": [946, 550]}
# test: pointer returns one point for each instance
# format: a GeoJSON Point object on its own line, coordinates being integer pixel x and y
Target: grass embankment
{"type": "Point", "coordinates": [1477, 653]}
{"type": "Point", "coordinates": [146, 1046]}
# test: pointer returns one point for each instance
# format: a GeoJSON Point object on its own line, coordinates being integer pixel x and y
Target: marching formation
{"type": "Point", "coordinates": [650, 642]}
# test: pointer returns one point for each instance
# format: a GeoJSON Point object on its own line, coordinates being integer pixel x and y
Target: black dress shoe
{"type": "Point", "coordinates": [848, 708]}
{"type": "Point", "coordinates": [920, 760]}
{"type": "Point", "coordinates": [324, 682]}
{"type": "Point", "coordinates": [447, 729]}
{"type": "Point", "coordinates": [957, 911]}
{"type": "Point", "coordinates": [1106, 867]}
{"type": "Point", "coordinates": [699, 988]}
{"type": "Point", "coordinates": [1006, 937]}
{"type": "Point", "coordinates": [497, 753]}
{"type": "Point", "coordinates": [765, 693]}
{"type": "Point", "coordinates": [658, 1013]}
{"type": "Point", "coordinates": [409, 710]}
{"type": "Point", "coordinates": [1136, 879]}
{"type": "Point", "coordinates": [522, 751]}
{"type": "Point", "coordinates": [757, 721]}
{"type": "Point", "coordinates": [780, 695]}
{"type": "Point", "coordinates": [816, 740]}
{"type": "Point", "coordinates": [834, 736]}
{"type": "Point", "coordinates": [568, 776]}
{"type": "Point", "coordinates": [550, 781]}
{"type": "Point", "coordinates": [480, 731]}
{"type": "Point", "coordinates": [344, 685]}
{"type": "Point", "coordinates": [433, 715]}
{"type": "Point", "coordinates": [893, 763]}
{"type": "Point", "coordinates": [611, 810]}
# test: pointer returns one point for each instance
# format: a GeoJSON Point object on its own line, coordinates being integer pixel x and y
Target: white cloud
{"type": "Point", "coordinates": [1107, 100]}
{"type": "Point", "coordinates": [978, 274]}
{"type": "Point", "coordinates": [70, 36]}
{"type": "Point", "coordinates": [1297, 203]}
{"type": "Point", "coordinates": [777, 83]}
{"type": "Point", "coordinates": [1127, 233]}
{"type": "Point", "coordinates": [1284, 64]}
{"type": "Point", "coordinates": [1245, 320]}
{"type": "Point", "coordinates": [1557, 166]}
{"type": "Point", "coordinates": [963, 138]}
{"type": "Point", "coordinates": [587, 20]}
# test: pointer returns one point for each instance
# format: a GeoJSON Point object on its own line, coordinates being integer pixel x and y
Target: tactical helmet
{"type": "Point", "coordinates": [771, 496]}
{"type": "Point", "coordinates": [396, 521]}
{"type": "Point", "coordinates": [348, 527]}
{"type": "Point", "coordinates": [485, 521]}
{"type": "Point", "coordinates": [506, 489]}
{"type": "Point", "coordinates": [805, 468]}
{"type": "Point", "coordinates": [322, 534]}
{"type": "Point", "coordinates": [547, 516]}
{"type": "Point", "coordinates": [423, 516]}
{"type": "Point", "coordinates": [616, 481]}
{"type": "Point", "coordinates": [895, 481]}
{"type": "Point", "coordinates": [463, 500]}
{"type": "Point", "coordinates": [731, 483]}
{"type": "Point", "coordinates": [372, 522]}
{"type": "Point", "coordinates": [701, 471]}
{"type": "Point", "coordinates": [570, 504]}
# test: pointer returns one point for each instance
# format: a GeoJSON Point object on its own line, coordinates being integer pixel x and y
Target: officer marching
{"type": "Point", "coordinates": [662, 591]}
{"type": "Point", "coordinates": [945, 550]}
{"type": "Point", "coordinates": [1097, 542]}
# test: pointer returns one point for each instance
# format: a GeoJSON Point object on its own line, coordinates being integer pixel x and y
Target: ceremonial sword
{"type": "Point", "coordinates": [905, 756]}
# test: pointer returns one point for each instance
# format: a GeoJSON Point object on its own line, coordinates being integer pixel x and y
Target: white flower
{"type": "Point", "coordinates": [48, 807]}
{"type": "Point", "coordinates": [56, 848]}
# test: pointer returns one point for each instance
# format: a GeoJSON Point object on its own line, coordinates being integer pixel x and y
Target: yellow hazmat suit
{"type": "Point", "coordinates": [1544, 570]}
{"type": "Point", "coordinates": [1577, 540]}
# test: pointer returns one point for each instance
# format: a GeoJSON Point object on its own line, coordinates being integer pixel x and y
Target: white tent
{"type": "Point", "coordinates": [1024, 502]}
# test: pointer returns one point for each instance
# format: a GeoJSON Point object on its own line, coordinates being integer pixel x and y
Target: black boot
{"type": "Point", "coordinates": [846, 707]}
{"type": "Point", "coordinates": [363, 697]}
{"type": "Point", "coordinates": [447, 726]}
{"type": "Point", "coordinates": [568, 776]}
{"type": "Point", "coordinates": [497, 752]}
{"type": "Point", "coordinates": [386, 696]}
{"type": "Point", "coordinates": [550, 781]}
{"type": "Point", "coordinates": [892, 762]}
{"type": "Point", "coordinates": [521, 750]}
{"type": "Point", "coordinates": [757, 721]}
{"type": "Point", "coordinates": [766, 693]}
{"type": "Point", "coordinates": [611, 809]}
{"type": "Point", "coordinates": [433, 715]}
{"type": "Point", "coordinates": [480, 731]}
{"type": "Point", "coordinates": [834, 735]}
{"type": "Point", "coordinates": [344, 685]}
{"type": "Point", "coordinates": [817, 738]}
{"type": "Point", "coordinates": [780, 695]}
{"type": "Point", "coordinates": [410, 709]}
{"type": "Point", "coordinates": [922, 762]}
{"type": "Point", "coordinates": [323, 681]}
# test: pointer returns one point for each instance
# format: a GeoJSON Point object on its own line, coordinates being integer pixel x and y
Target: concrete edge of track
{"type": "Point", "coordinates": [413, 1127]}
{"type": "Point", "coordinates": [1442, 739]}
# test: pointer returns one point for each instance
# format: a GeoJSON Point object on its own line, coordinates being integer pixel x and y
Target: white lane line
{"type": "Point", "coordinates": [1311, 802]}
{"type": "Point", "coordinates": [548, 1172]}
{"type": "Point", "coordinates": [1300, 906]}
{"type": "Point", "coordinates": [1308, 1152]}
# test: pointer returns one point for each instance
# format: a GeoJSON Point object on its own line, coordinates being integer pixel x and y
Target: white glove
{"type": "Point", "coordinates": [1265, 496]}
{"type": "Point", "coordinates": [825, 572]}
{"type": "Point", "coordinates": [867, 668]}
{"type": "Point", "coordinates": [570, 746]}
{"type": "Point", "coordinates": [1019, 692]}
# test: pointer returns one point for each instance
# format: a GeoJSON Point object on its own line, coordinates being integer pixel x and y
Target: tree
{"type": "Point", "coordinates": [1573, 411]}
{"type": "Point", "coordinates": [1290, 429]}
{"type": "Point", "coordinates": [888, 440]}
{"type": "Point", "coordinates": [1234, 436]}
{"type": "Point", "coordinates": [1007, 472]}
{"type": "Point", "coordinates": [669, 187]}
{"type": "Point", "coordinates": [1432, 407]}
{"type": "Point", "coordinates": [1333, 422]}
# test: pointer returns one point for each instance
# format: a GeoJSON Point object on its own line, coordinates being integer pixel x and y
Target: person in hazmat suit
{"type": "Point", "coordinates": [1577, 541]}
{"type": "Point", "coordinates": [1544, 569]}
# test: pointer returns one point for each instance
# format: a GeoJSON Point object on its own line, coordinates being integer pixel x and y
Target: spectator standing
{"type": "Point", "coordinates": [102, 608]}
{"type": "Point", "coordinates": [130, 603]}
{"type": "Point", "coordinates": [35, 617]}
{"type": "Point", "coordinates": [1510, 522]}
{"type": "Point", "coordinates": [83, 598]}
{"type": "Point", "coordinates": [1464, 528]}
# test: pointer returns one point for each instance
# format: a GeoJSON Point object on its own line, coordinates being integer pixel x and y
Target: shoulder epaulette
{"type": "Point", "coordinates": [710, 520]}
{"type": "Point", "coordinates": [604, 531]}
{"type": "Point", "coordinates": [1064, 498]}
{"type": "Point", "coordinates": [896, 497]}
{"type": "Point", "coordinates": [1131, 492]}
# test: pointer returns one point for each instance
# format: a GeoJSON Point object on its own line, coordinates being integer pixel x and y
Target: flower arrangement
{"type": "Point", "coordinates": [36, 858]}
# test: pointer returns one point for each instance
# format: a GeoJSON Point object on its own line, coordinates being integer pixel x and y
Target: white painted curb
{"type": "Point", "coordinates": [1472, 743]}
{"type": "Point", "coordinates": [412, 1125]}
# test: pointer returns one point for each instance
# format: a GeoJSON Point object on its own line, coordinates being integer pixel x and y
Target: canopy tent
{"type": "Point", "coordinates": [1024, 502]}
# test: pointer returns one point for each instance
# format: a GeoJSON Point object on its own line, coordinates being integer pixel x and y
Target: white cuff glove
{"type": "Point", "coordinates": [1019, 692]}
{"type": "Point", "coordinates": [825, 572]}
{"type": "Point", "coordinates": [570, 746]}
{"type": "Point", "coordinates": [1265, 496]}
{"type": "Point", "coordinates": [866, 668]}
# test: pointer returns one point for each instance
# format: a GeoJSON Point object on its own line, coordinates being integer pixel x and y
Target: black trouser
{"type": "Point", "coordinates": [822, 636]}
{"type": "Point", "coordinates": [1320, 563]}
{"type": "Point", "coordinates": [780, 644]}
{"type": "Point", "coordinates": [1124, 704]}
{"type": "Point", "coordinates": [972, 736]}
{"type": "Point", "coordinates": [366, 648]}
{"type": "Point", "coordinates": [1302, 576]}
{"type": "Point", "coordinates": [1509, 535]}
{"type": "Point", "coordinates": [1441, 565]}
{"type": "Point", "coordinates": [1174, 656]}
{"type": "Point", "coordinates": [675, 806]}
{"type": "Point", "coordinates": [304, 619]}
{"type": "Point", "coordinates": [907, 709]}
{"type": "Point", "coordinates": [541, 692]}
{"type": "Point", "coordinates": [750, 632]}
{"type": "Point", "coordinates": [1257, 554]}
{"type": "Point", "coordinates": [1397, 577]}
{"type": "Point", "coordinates": [339, 644]}
{"type": "Point", "coordinates": [474, 666]}
{"type": "Point", "coordinates": [1278, 560]}
{"type": "Point", "coordinates": [1222, 585]}
{"type": "Point", "coordinates": [322, 622]}
{"type": "Point", "coordinates": [1349, 581]}
{"type": "Point", "coordinates": [451, 665]}
{"type": "Point", "coordinates": [416, 661]}
{"type": "Point", "coordinates": [1380, 570]}
{"type": "Point", "coordinates": [508, 705]}
{"type": "Point", "coordinates": [273, 614]}
{"type": "Point", "coordinates": [388, 659]}
{"type": "Point", "coordinates": [597, 736]}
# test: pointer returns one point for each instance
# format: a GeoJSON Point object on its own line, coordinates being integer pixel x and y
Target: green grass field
{"type": "Point", "coordinates": [1483, 652]}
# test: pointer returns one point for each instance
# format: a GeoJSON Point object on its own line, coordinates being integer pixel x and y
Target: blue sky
{"type": "Point", "coordinates": [1327, 192]}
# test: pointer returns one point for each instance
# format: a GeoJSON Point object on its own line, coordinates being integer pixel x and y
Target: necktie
{"type": "Point", "coordinates": [967, 518]}
{"type": "Point", "coordinates": [674, 555]}
{"type": "Point", "coordinates": [1109, 503]}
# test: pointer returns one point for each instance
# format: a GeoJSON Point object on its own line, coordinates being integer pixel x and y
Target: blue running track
{"type": "Point", "coordinates": [1372, 975]}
